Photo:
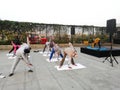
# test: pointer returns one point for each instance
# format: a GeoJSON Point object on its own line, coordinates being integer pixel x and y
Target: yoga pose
{"type": "Point", "coordinates": [56, 50]}
{"type": "Point", "coordinates": [97, 41]}
{"type": "Point", "coordinates": [70, 52]}
{"type": "Point", "coordinates": [49, 45]}
{"type": "Point", "coordinates": [15, 47]}
{"type": "Point", "coordinates": [22, 54]}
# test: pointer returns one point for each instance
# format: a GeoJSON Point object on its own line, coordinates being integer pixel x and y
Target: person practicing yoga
{"type": "Point", "coordinates": [22, 53]}
{"type": "Point", "coordinates": [57, 51]}
{"type": "Point", "coordinates": [97, 41]}
{"type": "Point", "coordinates": [16, 44]}
{"type": "Point", "coordinates": [71, 53]}
{"type": "Point", "coordinates": [14, 48]}
{"type": "Point", "coordinates": [49, 44]}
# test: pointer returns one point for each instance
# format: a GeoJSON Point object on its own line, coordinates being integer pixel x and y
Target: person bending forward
{"type": "Point", "coordinates": [22, 54]}
{"type": "Point", "coordinates": [71, 53]}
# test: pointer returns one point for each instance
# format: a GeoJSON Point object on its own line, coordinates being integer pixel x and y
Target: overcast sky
{"type": "Point", "coordinates": [70, 12]}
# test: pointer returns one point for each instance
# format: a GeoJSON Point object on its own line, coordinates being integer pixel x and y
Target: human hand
{"type": "Point", "coordinates": [30, 64]}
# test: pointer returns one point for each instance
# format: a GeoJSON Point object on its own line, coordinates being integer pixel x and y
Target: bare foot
{"type": "Point", "coordinates": [50, 61]}
{"type": "Point", "coordinates": [30, 64]}
{"type": "Point", "coordinates": [69, 67]}
{"type": "Point", "coordinates": [74, 64]}
{"type": "Point", "coordinates": [59, 66]}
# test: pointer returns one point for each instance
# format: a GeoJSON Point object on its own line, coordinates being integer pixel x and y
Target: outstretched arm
{"type": "Point", "coordinates": [28, 41]}
{"type": "Point", "coordinates": [26, 59]}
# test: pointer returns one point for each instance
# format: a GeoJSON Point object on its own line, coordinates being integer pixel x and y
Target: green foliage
{"type": "Point", "coordinates": [5, 42]}
{"type": "Point", "coordinates": [78, 39]}
{"type": "Point", "coordinates": [10, 29]}
{"type": "Point", "coordinates": [62, 39]}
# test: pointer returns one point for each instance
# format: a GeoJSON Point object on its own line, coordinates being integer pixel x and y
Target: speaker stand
{"type": "Point", "coordinates": [110, 57]}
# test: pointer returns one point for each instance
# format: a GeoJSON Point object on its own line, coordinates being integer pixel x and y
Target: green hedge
{"type": "Point", "coordinates": [5, 42]}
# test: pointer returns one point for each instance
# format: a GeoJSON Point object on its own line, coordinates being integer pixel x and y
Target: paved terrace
{"type": "Point", "coordinates": [97, 75]}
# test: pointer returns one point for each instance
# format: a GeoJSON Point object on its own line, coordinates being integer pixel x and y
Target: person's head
{"type": "Point", "coordinates": [27, 50]}
{"type": "Point", "coordinates": [75, 54]}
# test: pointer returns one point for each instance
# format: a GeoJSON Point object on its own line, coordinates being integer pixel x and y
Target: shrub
{"type": "Point", "coordinates": [5, 42]}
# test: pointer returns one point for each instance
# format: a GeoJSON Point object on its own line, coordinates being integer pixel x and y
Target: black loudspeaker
{"type": "Point", "coordinates": [72, 30]}
{"type": "Point", "coordinates": [111, 26]}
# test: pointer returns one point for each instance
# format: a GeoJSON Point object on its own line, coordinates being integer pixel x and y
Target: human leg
{"type": "Point", "coordinates": [52, 52]}
{"type": "Point", "coordinates": [63, 59]}
{"type": "Point", "coordinates": [99, 44]}
{"type": "Point", "coordinates": [14, 66]}
{"type": "Point", "coordinates": [69, 62]}
{"type": "Point", "coordinates": [61, 55]}
{"type": "Point", "coordinates": [44, 48]}
{"type": "Point", "coordinates": [72, 61]}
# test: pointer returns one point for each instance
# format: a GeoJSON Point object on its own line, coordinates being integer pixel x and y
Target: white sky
{"type": "Point", "coordinates": [69, 12]}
